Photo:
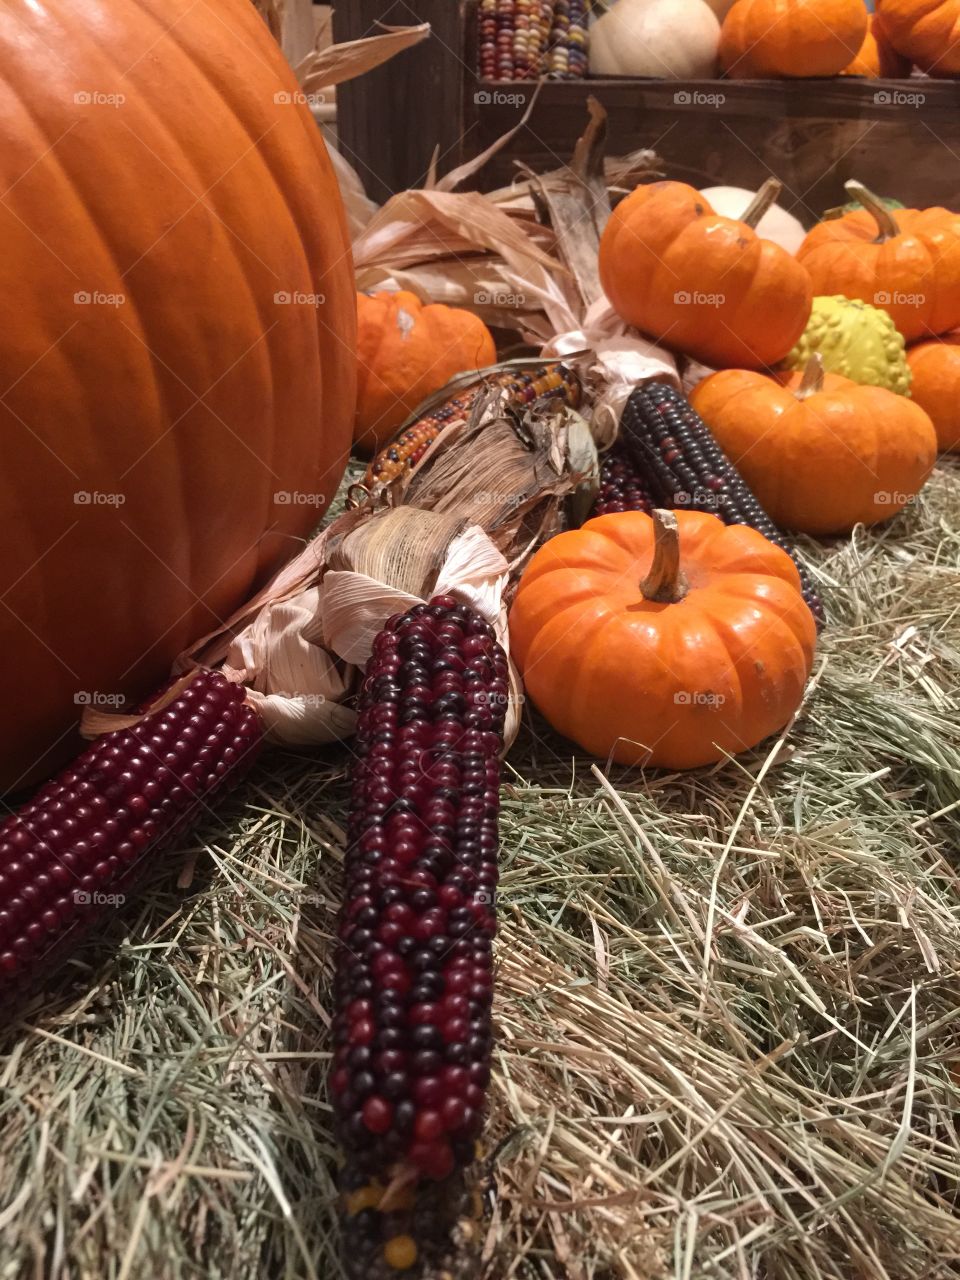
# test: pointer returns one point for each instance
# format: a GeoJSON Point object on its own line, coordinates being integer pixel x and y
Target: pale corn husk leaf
{"type": "Point", "coordinates": [415, 226]}
{"type": "Point", "coordinates": [451, 180]}
{"type": "Point", "coordinates": [340, 62]}
{"type": "Point", "coordinates": [355, 607]}
{"type": "Point", "coordinates": [357, 205]}
{"type": "Point", "coordinates": [584, 461]}
{"type": "Point", "coordinates": [490, 254]}
{"type": "Point", "coordinates": [296, 685]}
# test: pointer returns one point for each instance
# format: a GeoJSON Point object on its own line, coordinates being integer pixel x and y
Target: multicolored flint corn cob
{"type": "Point", "coordinates": [527, 39]}
{"type": "Point", "coordinates": [622, 487]}
{"type": "Point", "coordinates": [547, 381]}
{"type": "Point", "coordinates": [70, 855]}
{"type": "Point", "coordinates": [414, 973]}
{"type": "Point", "coordinates": [685, 467]}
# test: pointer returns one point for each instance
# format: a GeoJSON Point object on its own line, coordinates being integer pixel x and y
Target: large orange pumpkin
{"type": "Point", "coordinates": [877, 57]}
{"type": "Point", "coordinates": [925, 31]}
{"type": "Point", "coordinates": [178, 356]}
{"type": "Point", "coordinates": [935, 366]}
{"type": "Point", "coordinates": [705, 284]}
{"type": "Point", "coordinates": [406, 351]}
{"type": "Point", "coordinates": [820, 452]}
{"type": "Point", "coordinates": [905, 261]}
{"type": "Point", "coordinates": [670, 659]}
{"type": "Point", "coordinates": [791, 37]}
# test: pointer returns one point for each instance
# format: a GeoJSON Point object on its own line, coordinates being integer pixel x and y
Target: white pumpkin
{"type": "Point", "coordinates": [776, 224]}
{"type": "Point", "coordinates": [662, 39]}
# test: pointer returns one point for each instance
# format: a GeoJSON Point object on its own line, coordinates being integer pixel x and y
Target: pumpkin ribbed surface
{"type": "Point", "coordinates": [673, 685]}
{"type": "Point", "coordinates": [178, 381]}
{"type": "Point", "coordinates": [791, 37]}
{"type": "Point", "coordinates": [405, 352]}
{"type": "Point", "coordinates": [925, 31]}
{"type": "Point", "coordinates": [704, 284]}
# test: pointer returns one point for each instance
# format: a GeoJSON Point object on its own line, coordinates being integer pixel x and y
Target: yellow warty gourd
{"type": "Point", "coordinates": [857, 341]}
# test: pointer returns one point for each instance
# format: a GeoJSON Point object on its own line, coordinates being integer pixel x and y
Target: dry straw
{"type": "Point", "coordinates": [727, 1002]}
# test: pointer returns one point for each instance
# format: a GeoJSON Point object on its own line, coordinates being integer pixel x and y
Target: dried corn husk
{"type": "Point", "coordinates": [524, 258]}
{"type": "Point", "coordinates": [300, 644]}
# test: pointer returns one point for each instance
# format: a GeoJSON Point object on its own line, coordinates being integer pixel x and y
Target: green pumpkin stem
{"type": "Point", "coordinates": [887, 225]}
{"type": "Point", "coordinates": [812, 381]}
{"type": "Point", "coordinates": [665, 583]}
{"type": "Point", "coordinates": [761, 202]}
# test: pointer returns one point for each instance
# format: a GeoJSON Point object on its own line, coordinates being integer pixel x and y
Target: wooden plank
{"type": "Point", "coordinates": [390, 120]}
{"type": "Point", "coordinates": [899, 137]}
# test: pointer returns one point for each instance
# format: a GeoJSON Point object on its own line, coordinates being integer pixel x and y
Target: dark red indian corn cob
{"type": "Point", "coordinates": [414, 972]}
{"type": "Point", "coordinates": [622, 487]}
{"type": "Point", "coordinates": [686, 468]}
{"type": "Point", "coordinates": [72, 852]}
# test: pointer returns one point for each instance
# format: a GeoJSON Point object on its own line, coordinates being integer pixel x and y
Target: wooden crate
{"type": "Point", "coordinates": [901, 137]}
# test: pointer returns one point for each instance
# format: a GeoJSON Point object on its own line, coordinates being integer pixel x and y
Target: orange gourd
{"type": "Point", "coordinates": [905, 261]}
{"type": "Point", "coordinates": [877, 57]}
{"type": "Point", "coordinates": [925, 31]}
{"type": "Point", "coordinates": [820, 452]}
{"type": "Point", "coordinates": [178, 368]}
{"type": "Point", "coordinates": [405, 352]}
{"type": "Point", "coordinates": [667, 642]}
{"type": "Point", "coordinates": [935, 366]}
{"type": "Point", "coordinates": [791, 37]}
{"type": "Point", "coordinates": [702, 283]}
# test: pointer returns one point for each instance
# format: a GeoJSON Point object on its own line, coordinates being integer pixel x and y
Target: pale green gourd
{"type": "Point", "coordinates": [857, 341]}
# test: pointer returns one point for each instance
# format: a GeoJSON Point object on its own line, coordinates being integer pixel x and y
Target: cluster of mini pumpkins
{"type": "Point", "coordinates": [675, 640]}
{"type": "Point", "coordinates": [821, 453]}
{"type": "Point", "coordinates": [749, 39]}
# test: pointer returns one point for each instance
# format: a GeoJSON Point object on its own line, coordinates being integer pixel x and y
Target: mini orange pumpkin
{"type": "Point", "coordinates": [877, 57]}
{"type": "Point", "coordinates": [705, 284]}
{"type": "Point", "coordinates": [667, 642]}
{"type": "Point", "coordinates": [791, 37]}
{"type": "Point", "coordinates": [936, 385]}
{"type": "Point", "coordinates": [820, 452]}
{"type": "Point", "coordinates": [905, 261]}
{"type": "Point", "coordinates": [406, 351]}
{"type": "Point", "coordinates": [925, 31]}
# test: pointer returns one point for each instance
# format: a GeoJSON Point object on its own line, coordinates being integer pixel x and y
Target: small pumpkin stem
{"type": "Point", "coordinates": [887, 225]}
{"type": "Point", "coordinates": [762, 201]}
{"type": "Point", "coordinates": [665, 583]}
{"type": "Point", "coordinates": [812, 381]}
